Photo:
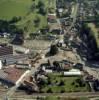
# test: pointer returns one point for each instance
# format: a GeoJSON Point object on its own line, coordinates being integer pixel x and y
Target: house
{"type": "Point", "coordinates": [72, 72]}
{"type": "Point", "coordinates": [51, 18]}
{"type": "Point", "coordinates": [11, 76]}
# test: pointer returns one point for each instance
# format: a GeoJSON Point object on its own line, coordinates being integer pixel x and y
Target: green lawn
{"type": "Point", "coordinates": [94, 31]}
{"type": "Point", "coordinates": [67, 87]}
{"type": "Point", "coordinates": [12, 8]}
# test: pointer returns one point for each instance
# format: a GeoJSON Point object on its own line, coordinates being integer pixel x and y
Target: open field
{"type": "Point", "coordinates": [11, 8]}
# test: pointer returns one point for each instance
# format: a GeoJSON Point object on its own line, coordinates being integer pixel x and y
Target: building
{"type": "Point", "coordinates": [47, 70]}
{"type": "Point", "coordinates": [72, 72]}
{"type": "Point", "coordinates": [51, 18]}
{"type": "Point", "coordinates": [11, 76]}
{"type": "Point", "coordinates": [12, 59]}
{"type": "Point", "coordinates": [5, 49]}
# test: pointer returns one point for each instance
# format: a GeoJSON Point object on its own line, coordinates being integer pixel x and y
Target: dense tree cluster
{"type": "Point", "coordinates": [16, 35]}
{"type": "Point", "coordinates": [7, 26]}
{"type": "Point", "coordinates": [53, 50]}
{"type": "Point", "coordinates": [41, 7]}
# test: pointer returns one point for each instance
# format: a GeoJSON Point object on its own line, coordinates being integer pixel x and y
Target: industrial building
{"type": "Point", "coordinates": [5, 49]}
{"type": "Point", "coordinates": [11, 76]}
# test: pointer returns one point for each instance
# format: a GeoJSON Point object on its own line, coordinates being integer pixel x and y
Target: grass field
{"type": "Point", "coordinates": [12, 8]}
{"type": "Point", "coordinates": [69, 84]}
{"type": "Point", "coordinates": [94, 32]}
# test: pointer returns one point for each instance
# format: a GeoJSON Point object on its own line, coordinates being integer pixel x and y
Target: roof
{"type": "Point", "coordinates": [13, 74]}
{"type": "Point", "coordinates": [54, 26]}
{"type": "Point", "coordinates": [11, 59]}
{"type": "Point", "coordinates": [52, 16]}
{"type": "Point", "coordinates": [3, 74]}
{"type": "Point", "coordinates": [73, 72]}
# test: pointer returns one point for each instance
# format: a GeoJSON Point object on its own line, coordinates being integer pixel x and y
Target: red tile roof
{"type": "Point", "coordinates": [13, 73]}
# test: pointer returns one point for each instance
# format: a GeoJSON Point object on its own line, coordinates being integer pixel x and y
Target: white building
{"type": "Point", "coordinates": [1, 65]}
{"type": "Point", "coordinates": [73, 72]}
{"type": "Point", "coordinates": [47, 70]}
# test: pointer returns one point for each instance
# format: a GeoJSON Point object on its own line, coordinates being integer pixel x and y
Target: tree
{"type": "Point", "coordinates": [17, 40]}
{"type": "Point", "coordinates": [53, 50]}
{"type": "Point", "coordinates": [42, 10]}
{"type": "Point", "coordinates": [15, 19]}
{"type": "Point", "coordinates": [49, 81]}
{"type": "Point", "coordinates": [6, 26]}
{"type": "Point", "coordinates": [56, 64]}
{"type": "Point", "coordinates": [40, 4]}
{"type": "Point", "coordinates": [18, 37]}
{"type": "Point", "coordinates": [41, 7]}
{"type": "Point", "coordinates": [62, 91]}
{"type": "Point", "coordinates": [49, 90]}
{"type": "Point", "coordinates": [32, 8]}
{"type": "Point", "coordinates": [37, 21]}
{"type": "Point", "coordinates": [61, 83]}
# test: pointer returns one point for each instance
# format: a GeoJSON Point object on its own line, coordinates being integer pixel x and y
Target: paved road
{"type": "Point", "coordinates": [74, 18]}
{"type": "Point", "coordinates": [74, 94]}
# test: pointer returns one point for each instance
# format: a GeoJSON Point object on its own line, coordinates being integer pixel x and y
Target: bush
{"type": "Point", "coordinates": [53, 50]}
{"type": "Point", "coordinates": [40, 4]}
{"type": "Point", "coordinates": [73, 83]}
{"type": "Point", "coordinates": [61, 83]}
{"type": "Point", "coordinates": [62, 91]}
{"type": "Point", "coordinates": [42, 11]}
{"type": "Point", "coordinates": [49, 81]}
{"type": "Point", "coordinates": [37, 21]}
{"type": "Point", "coordinates": [49, 90]}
